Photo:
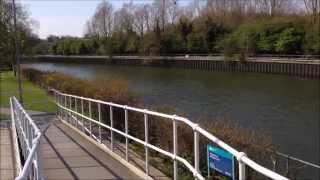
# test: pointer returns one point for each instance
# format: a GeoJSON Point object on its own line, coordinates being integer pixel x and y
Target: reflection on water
{"type": "Point", "coordinates": [287, 108]}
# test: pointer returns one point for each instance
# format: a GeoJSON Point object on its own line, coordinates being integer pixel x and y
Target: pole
{"type": "Point", "coordinates": [17, 51]}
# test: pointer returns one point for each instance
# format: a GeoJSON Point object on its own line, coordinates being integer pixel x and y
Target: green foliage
{"type": "Point", "coordinates": [72, 46]}
{"type": "Point", "coordinates": [197, 43]}
{"type": "Point", "coordinates": [289, 41]}
{"type": "Point", "coordinates": [283, 37]}
{"type": "Point", "coordinates": [214, 32]}
{"type": "Point", "coordinates": [274, 36]}
{"type": "Point", "coordinates": [261, 35]}
{"type": "Point", "coordinates": [311, 44]}
{"type": "Point", "coordinates": [172, 42]}
{"type": "Point", "coordinates": [240, 43]}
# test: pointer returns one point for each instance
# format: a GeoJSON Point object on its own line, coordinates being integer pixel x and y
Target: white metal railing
{"type": "Point", "coordinates": [65, 101]}
{"type": "Point", "coordinates": [27, 142]}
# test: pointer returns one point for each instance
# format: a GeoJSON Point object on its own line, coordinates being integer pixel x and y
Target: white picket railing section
{"type": "Point", "coordinates": [27, 142]}
{"type": "Point", "coordinates": [65, 101]}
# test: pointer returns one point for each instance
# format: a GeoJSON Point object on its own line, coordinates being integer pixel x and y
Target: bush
{"type": "Point", "coordinates": [197, 43]}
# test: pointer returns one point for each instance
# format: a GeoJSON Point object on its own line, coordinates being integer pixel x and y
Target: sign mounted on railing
{"type": "Point", "coordinates": [221, 161]}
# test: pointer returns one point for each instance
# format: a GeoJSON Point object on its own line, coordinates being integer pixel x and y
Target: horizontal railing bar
{"type": "Point", "coordinates": [298, 160]}
{"type": "Point", "coordinates": [30, 140]}
{"type": "Point", "coordinates": [186, 163]}
{"type": "Point", "coordinates": [191, 124]}
{"type": "Point", "coordinates": [241, 157]}
{"type": "Point", "coordinates": [37, 130]}
{"type": "Point", "coordinates": [29, 160]}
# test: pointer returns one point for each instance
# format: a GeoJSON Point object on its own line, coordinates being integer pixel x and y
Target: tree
{"type": "Point", "coordinates": [197, 43]}
{"type": "Point", "coordinates": [23, 29]}
{"type": "Point", "coordinates": [101, 24]}
{"type": "Point", "coordinates": [289, 41]}
{"type": "Point", "coordinates": [313, 8]}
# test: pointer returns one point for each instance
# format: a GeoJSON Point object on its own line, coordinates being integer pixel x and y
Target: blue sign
{"type": "Point", "coordinates": [221, 161]}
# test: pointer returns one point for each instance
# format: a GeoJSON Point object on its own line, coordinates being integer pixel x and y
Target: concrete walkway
{"type": "Point", "coordinates": [67, 155]}
{"type": "Point", "coordinates": [7, 171]}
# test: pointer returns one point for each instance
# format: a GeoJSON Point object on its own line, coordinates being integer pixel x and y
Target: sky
{"type": "Point", "coordinates": [65, 17]}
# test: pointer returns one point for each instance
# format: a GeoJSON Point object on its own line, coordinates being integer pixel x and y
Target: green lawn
{"type": "Point", "coordinates": [34, 97]}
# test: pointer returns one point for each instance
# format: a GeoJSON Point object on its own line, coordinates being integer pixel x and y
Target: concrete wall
{"type": "Point", "coordinates": [307, 69]}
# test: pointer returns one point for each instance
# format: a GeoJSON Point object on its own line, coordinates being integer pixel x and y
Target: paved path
{"type": "Point", "coordinates": [6, 153]}
{"type": "Point", "coordinates": [67, 155]}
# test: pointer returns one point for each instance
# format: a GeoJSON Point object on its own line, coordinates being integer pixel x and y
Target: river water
{"type": "Point", "coordinates": [284, 107]}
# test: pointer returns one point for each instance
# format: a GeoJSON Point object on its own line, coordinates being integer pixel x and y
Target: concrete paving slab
{"type": "Point", "coordinates": [71, 156]}
{"type": "Point", "coordinates": [53, 163]}
{"type": "Point", "coordinates": [81, 161]}
{"type": "Point", "coordinates": [6, 153]}
{"type": "Point", "coordinates": [96, 173]}
{"type": "Point", "coordinates": [6, 174]}
{"type": "Point", "coordinates": [54, 174]}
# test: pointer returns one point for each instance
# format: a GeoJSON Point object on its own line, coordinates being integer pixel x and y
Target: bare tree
{"type": "Point", "coordinates": [172, 8]}
{"type": "Point", "coordinates": [312, 6]}
{"type": "Point", "coordinates": [124, 18]}
{"type": "Point", "coordinates": [101, 23]}
{"type": "Point", "coordinates": [274, 7]}
{"type": "Point", "coordinates": [140, 20]}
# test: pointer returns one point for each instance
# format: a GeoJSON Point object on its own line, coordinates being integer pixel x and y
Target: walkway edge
{"type": "Point", "coordinates": [112, 154]}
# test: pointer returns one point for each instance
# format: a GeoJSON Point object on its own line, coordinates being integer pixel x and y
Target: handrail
{"type": "Point", "coordinates": [28, 134]}
{"type": "Point", "coordinates": [243, 160]}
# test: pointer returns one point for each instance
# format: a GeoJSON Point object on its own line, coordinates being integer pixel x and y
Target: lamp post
{"type": "Point", "coordinates": [17, 51]}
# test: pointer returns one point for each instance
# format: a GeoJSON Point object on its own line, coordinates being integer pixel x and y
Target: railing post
{"type": "Point", "coordinates": [39, 163]}
{"type": "Point", "coordinates": [100, 118]}
{"type": "Point", "coordinates": [111, 131]}
{"type": "Point", "coordinates": [76, 109]}
{"type": "Point", "coordinates": [70, 107]}
{"type": "Point", "coordinates": [196, 149]}
{"type": "Point", "coordinates": [175, 148]}
{"type": "Point", "coordinates": [146, 139]}
{"type": "Point", "coordinates": [287, 165]}
{"type": "Point", "coordinates": [126, 130]}
{"type": "Point", "coordinates": [56, 101]}
{"type": "Point", "coordinates": [90, 115]}
{"type": "Point", "coordinates": [242, 166]}
{"type": "Point", "coordinates": [65, 105]}
{"type": "Point", "coordinates": [82, 112]}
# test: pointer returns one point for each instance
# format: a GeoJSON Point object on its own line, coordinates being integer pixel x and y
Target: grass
{"type": "Point", "coordinates": [34, 97]}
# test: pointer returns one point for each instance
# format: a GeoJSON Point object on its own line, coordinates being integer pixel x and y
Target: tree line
{"type": "Point", "coordinates": [235, 28]}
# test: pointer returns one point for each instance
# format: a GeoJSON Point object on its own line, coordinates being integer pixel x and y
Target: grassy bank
{"type": "Point", "coordinates": [35, 98]}
{"type": "Point", "coordinates": [117, 91]}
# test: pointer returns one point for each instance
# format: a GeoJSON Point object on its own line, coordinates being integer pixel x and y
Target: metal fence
{"type": "Point", "coordinates": [74, 105]}
{"type": "Point", "coordinates": [27, 142]}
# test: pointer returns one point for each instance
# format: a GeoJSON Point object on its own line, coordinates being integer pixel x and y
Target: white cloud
{"type": "Point", "coordinates": [67, 25]}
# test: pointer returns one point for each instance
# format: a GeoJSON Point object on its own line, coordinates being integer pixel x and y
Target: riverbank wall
{"type": "Point", "coordinates": [294, 67]}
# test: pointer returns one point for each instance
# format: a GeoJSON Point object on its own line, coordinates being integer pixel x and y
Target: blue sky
{"type": "Point", "coordinates": [66, 17]}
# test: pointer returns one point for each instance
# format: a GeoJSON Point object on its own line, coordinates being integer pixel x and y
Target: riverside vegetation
{"type": "Point", "coordinates": [116, 91]}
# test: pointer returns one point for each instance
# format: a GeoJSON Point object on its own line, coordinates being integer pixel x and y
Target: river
{"type": "Point", "coordinates": [283, 107]}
